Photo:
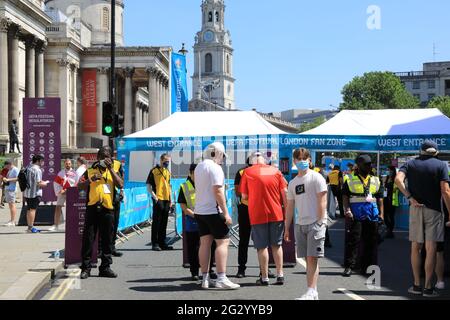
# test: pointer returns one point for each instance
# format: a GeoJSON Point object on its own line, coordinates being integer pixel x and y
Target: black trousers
{"type": "Point", "coordinates": [193, 244]}
{"type": "Point", "coordinates": [389, 214]}
{"type": "Point", "coordinates": [245, 230]}
{"type": "Point", "coordinates": [338, 194]}
{"type": "Point", "coordinates": [103, 222]}
{"type": "Point", "coordinates": [362, 238]}
{"type": "Point", "coordinates": [159, 224]}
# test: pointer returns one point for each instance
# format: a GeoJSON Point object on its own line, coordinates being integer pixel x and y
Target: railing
{"type": "Point", "coordinates": [413, 74]}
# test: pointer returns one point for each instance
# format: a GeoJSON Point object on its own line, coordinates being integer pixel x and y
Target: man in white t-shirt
{"type": "Point", "coordinates": [212, 215]}
{"type": "Point", "coordinates": [308, 194]}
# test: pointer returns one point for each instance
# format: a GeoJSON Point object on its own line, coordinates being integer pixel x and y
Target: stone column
{"type": "Point", "coordinates": [102, 95]}
{"type": "Point", "coordinates": [4, 24]}
{"type": "Point", "coordinates": [136, 117]}
{"type": "Point", "coordinates": [75, 105]}
{"type": "Point", "coordinates": [30, 87]}
{"type": "Point", "coordinates": [158, 97]}
{"type": "Point", "coordinates": [152, 102]}
{"type": "Point", "coordinates": [40, 72]}
{"type": "Point", "coordinates": [163, 99]}
{"type": "Point", "coordinates": [63, 91]}
{"type": "Point", "coordinates": [128, 100]}
{"type": "Point", "coordinates": [14, 103]}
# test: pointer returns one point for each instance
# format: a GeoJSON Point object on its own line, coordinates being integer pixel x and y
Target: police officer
{"type": "Point", "coordinates": [100, 180]}
{"type": "Point", "coordinates": [158, 183]}
{"type": "Point", "coordinates": [186, 199]}
{"type": "Point", "coordinates": [363, 202]}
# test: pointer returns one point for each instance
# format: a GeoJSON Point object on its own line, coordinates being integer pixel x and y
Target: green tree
{"type": "Point", "coordinates": [442, 103]}
{"type": "Point", "coordinates": [314, 124]}
{"type": "Point", "coordinates": [377, 90]}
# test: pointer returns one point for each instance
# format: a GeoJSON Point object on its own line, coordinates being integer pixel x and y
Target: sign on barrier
{"type": "Point", "coordinates": [135, 208]}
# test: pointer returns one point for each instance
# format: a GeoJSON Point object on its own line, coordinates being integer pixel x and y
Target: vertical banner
{"type": "Point", "coordinates": [75, 218]}
{"type": "Point", "coordinates": [179, 84]}
{"type": "Point", "coordinates": [89, 87]}
{"type": "Point", "coordinates": [42, 135]}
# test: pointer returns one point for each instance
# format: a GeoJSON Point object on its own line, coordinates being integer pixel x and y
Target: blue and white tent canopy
{"type": "Point", "coordinates": [381, 130]}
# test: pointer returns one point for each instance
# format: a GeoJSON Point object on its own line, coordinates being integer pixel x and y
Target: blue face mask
{"type": "Point", "coordinates": [166, 164]}
{"type": "Point", "coordinates": [303, 165]}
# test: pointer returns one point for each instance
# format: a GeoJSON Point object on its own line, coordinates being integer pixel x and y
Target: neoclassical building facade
{"type": "Point", "coordinates": [48, 47]}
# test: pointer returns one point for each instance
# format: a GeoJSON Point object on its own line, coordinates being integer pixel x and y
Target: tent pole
{"type": "Point", "coordinates": [378, 163]}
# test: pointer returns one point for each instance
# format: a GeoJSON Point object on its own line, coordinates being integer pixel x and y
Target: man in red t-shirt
{"type": "Point", "coordinates": [265, 188]}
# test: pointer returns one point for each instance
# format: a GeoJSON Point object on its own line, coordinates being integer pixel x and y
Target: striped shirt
{"type": "Point", "coordinates": [34, 177]}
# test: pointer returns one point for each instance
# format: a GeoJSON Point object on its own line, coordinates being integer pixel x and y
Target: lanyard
{"type": "Point", "coordinates": [366, 188]}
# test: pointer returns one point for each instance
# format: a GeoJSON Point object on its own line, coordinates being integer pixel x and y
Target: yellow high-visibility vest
{"type": "Point", "coordinates": [189, 194]}
{"type": "Point", "coordinates": [97, 190]}
{"type": "Point", "coordinates": [356, 188]}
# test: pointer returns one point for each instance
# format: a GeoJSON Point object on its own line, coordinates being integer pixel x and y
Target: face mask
{"type": "Point", "coordinates": [303, 165]}
{"type": "Point", "coordinates": [166, 164]}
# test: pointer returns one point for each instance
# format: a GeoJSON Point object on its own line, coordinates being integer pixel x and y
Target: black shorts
{"type": "Point", "coordinates": [214, 225]}
{"type": "Point", "coordinates": [33, 203]}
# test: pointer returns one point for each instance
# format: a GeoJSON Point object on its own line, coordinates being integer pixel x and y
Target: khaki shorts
{"type": "Point", "coordinates": [310, 240]}
{"type": "Point", "coordinates": [426, 225]}
{"type": "Point", "coordinates": [61, 200]}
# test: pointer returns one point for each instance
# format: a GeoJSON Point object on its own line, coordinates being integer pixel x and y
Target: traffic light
{"type": "Point", "coordinates": [119, 129]}
{"type": "Point", "coordinates": [108, 119]}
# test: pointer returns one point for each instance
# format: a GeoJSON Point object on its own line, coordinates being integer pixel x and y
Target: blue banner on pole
{"type": "Point", "coordinates": [179, 83]}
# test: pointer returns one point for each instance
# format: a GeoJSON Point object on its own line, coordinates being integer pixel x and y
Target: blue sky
{"type": "Point", "coordinates": [299, 53]}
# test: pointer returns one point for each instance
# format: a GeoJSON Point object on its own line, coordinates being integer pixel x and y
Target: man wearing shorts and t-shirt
{"type": "Point", "coordinates": [427, 179]}
{"type": "Point", "coordinates": [308, 194]}
{"type": "Point", "coordinates": [265, 188]}
{"type": "Point", "coordinates": [212, 215]}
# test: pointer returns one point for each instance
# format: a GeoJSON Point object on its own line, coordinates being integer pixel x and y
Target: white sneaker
{"type": "Point", "coordinates": [440, 285]}
{"type": "Point", "coordinates": [207, 283]}
{"type": "Point", "coordinates": [226, 284]}
{"type": "Point", "coordinates": [310, 295]}
{"type": "Point", "coordinates": [53, 229]}
{"type": "Point", "coordinates": [10, 224]}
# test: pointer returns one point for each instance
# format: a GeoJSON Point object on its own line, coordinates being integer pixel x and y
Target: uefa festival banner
{"type": "Point", "coordinates": [42, 135]}
{"type": "Point", "coordinates": [179, 83]}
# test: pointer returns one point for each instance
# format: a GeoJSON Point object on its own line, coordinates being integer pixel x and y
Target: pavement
{"type": "Point", "coordinates": [149, 275]}
{"type": "Point", "coordinates": [26, 260]}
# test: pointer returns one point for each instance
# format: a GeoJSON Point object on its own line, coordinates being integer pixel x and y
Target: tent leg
{"type": "Point", "coordinates": [378, 163]}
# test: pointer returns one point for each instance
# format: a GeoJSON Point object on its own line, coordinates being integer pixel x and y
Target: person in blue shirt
{"type": "Point", "coordinates": [363, 202]}
{"type": "Point", "coordinates": [10, 182]}
{"type": "Point", "coordinates": [186, 199]}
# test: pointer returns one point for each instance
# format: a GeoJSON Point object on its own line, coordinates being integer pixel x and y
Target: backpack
{"type": "Point", "coordinates": [22, 179]}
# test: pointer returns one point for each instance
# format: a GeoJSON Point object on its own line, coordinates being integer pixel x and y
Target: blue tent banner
{"type": "Point", "coordinates": [179, 83]}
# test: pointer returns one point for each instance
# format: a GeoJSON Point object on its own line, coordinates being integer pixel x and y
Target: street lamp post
{"type": "Point", "coordinates": [112, 86]}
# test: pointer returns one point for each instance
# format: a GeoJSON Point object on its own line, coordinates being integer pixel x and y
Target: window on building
{"type": "Point", "coordinates": [217, 16]}
{"type": "Point", "coordinates": [228, 64]}
{"type": "Point", "coordinates": [210, 17]}
{"type": "Point", "coordinates": [431, 84]}
{"type": "Point", "coordinates": [417, 96]}
{"type": "Point", "coordinates": [208, 63]}
{"type": "Point", "coordinates": [431, 96]}
{"type": "Point", "coordinates": [416, 85]}
{"type": "Point", "coordinates": [105, 18]}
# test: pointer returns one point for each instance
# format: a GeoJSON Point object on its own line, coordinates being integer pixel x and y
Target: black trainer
{"type": "Point", "coordinates": [261, 282]}
{"type": "Point", "coordinates": [417, 290]}
{"type": "Point", "coordinates": [107, 273]}
{"type": "Point", "coordinates": [166, 248]}
{"type": "Point", "coordinates": [195, 277]}
{"type": "Point", "coordinates": [347, 272]}
{"type": "Point", "coordinates": [85, 274]}
{"type": "Point", "coordinates": [117, 254]}
{"type": "Point", "coordinates": [280, 281]}
{"type": "Point", "coordinates": [156, 248]}
{"type": "Point", "coordinates": [430, 293]}
{"type": "Point", "coordinates": [240, 274]}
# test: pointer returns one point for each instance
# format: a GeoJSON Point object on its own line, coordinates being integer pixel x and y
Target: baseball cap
{"type": "Point", "coordinates": [217, 147]}
{"type": "Point", "coordinates": [364, 159]}
{"type": "Point", "coordinates": [429, 148]}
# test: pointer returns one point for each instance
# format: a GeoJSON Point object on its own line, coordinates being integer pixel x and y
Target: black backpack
{"type": "Point", "coordinates": [22, 179]}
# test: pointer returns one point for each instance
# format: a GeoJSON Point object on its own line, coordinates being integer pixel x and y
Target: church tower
{"type": "Point", "coordinates": [213, 58]}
